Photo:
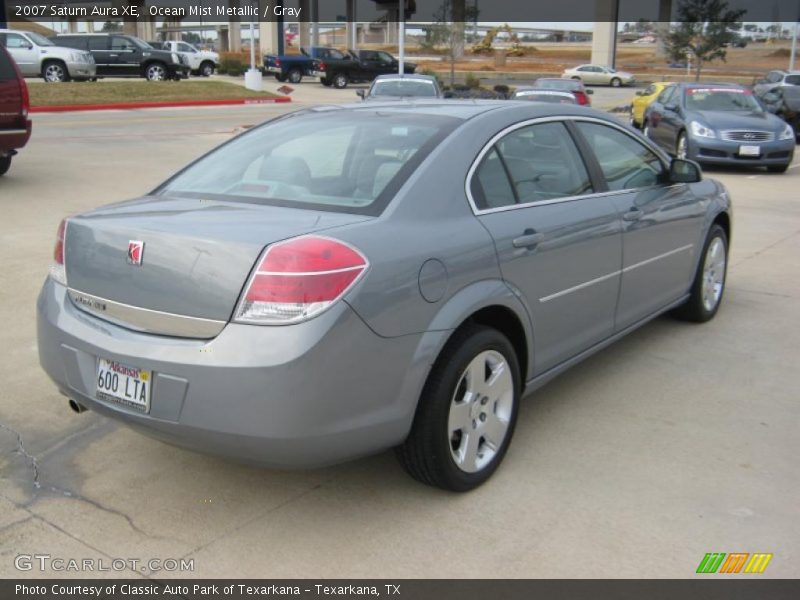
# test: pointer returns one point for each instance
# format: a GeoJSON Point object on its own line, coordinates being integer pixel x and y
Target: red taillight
{"type": "Point", "coordinates": [26, 99]}
{"type": "Point", "coordinates": [298, 279]}
{"type": "Point", "coordinates": [58, 270]}
{"type": "Point", "coordinates": [278, 62]}
{"type": "Point", "coordinates": [582, 98]}
{"type": "Point", "coordinates": [323, 66]}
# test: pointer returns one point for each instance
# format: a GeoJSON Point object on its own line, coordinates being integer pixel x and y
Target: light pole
{"type": "Point", "coordinates": [794, 45]}
{"type": "Point", "coordinates": [401, 50]}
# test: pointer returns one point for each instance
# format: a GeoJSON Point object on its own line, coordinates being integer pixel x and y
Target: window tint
{"type": "Point", "coordinates": [626, 164]}
{"type": "Point", "coordinates": [666, 96]}
{"type": "Point", "coordinates": [119, 43]}
{"type": "Point", "coordinates": [385, 57]}
{"type": "Point", "coordinates": [352, 162]}
{"type": "Point", "coordinates": [98, 42]}
{"type": "Point", "coordinates": [185, 48]}
{"type": "Point", "coordinates": [792, 80]}
{"type": "Point", "coordinates": [7, 71]}
{"type": "Point", "coordinates": [14, 40]}
{"type": "Point", "coordinates": [490, 185]}
{"type": "Point", "coordinates": [774, 76]}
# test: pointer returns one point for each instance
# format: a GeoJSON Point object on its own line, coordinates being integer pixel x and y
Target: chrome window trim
{"type": "Point", "coordinates": [145, 320]}
{"type": "Point", "coordinates": [561, 119]}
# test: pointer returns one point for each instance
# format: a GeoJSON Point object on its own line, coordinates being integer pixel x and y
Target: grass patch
{"type": "Point", "coordinates": [113, 92]}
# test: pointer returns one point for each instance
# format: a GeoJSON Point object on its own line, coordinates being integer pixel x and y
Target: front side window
{"type": "Point", "coordinates": [666, 96]}
{"type": "Point", "coordinates": [385, 58]}
{"type": "Point", "coordinates": [542, 163]}
{"type": "Point", "coordinates": [626, 164]}
{"type": "Point", "coordinates": [350, 162]}
{"type": "Point", "coordinates": [119, 43]}
{"type": "Point", "coordinates": [186, 48]}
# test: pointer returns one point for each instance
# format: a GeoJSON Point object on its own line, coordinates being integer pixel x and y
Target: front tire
{"type": "Point", "coordinates": [466, 413]}
{"type": "Point", "coordinates": [155, 72]}
{"type": "Point", "coordinates": [54, 71]}
{"type": "Point", "coordinates": [5, 165]}
{"type": "Point", "coordinates": [709, 281]}
{"type": "Point", "coordinates": [295, 76]}
{"type": "Point", "coordinates": [340, 81]}
{"type": "Point", "coordinates": [616, 82]}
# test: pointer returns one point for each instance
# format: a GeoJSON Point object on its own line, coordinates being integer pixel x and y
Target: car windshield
{"type": "Point", "coordinates": [557, 84]}
{"type": "Point", "coordinates": [792, 80]}
{"type": "Point", "coordinates": [352, 161]}
{"type": "Point", "coordinates": [39, 40]}
{"type": "Point", "coordinates": [723, 99]}
{"type": "Point", "coordinates": [142, 44]}
{"type": "Point", "coordinates": [401, 87]}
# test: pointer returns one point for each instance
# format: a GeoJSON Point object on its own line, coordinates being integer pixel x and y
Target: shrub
{"type": "Point", "coordinates": [471, 81]}
{"type": "Point", "coordinates": [234, 63]}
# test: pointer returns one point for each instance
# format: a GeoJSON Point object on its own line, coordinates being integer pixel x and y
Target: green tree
{"type": "Point", "coordinates": [706, 27]}
{"type": "Point", "coordinates": [112, 26]}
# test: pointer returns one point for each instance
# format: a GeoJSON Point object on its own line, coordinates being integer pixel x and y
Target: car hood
{"type": "Point", "coordinates": [736, 119]}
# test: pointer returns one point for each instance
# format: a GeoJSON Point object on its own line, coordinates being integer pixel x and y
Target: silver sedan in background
{"type": "Point", "coordinates": [344, 280]}
{"type": "Point", "coordinates": [599, 75]}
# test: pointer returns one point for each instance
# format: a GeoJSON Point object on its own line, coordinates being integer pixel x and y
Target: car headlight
{"type": "Point", "coordinates": [700, 130]}
{"type": "Point", "coordinates": [787, 133]}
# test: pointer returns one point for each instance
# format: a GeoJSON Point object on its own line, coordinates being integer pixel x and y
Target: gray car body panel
{"type": "Point", "coordinates": [346, 383]}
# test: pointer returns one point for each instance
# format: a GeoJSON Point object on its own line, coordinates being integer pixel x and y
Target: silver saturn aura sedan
{"type": "Point", "coordinates": [347, 279]}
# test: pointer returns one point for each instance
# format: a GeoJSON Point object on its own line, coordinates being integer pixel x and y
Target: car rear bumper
{"type": "Point", "coordinates": [15, 137]}
{"type": "Point", "coordinates": [296, 396]}
{"type": "Point", "coordinates": [720, 152]}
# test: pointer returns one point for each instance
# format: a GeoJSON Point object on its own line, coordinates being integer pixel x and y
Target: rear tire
{"type": "Point", "coordinates": [295, 76]}
{"type": "Point", "coordinates": [616, 82]}
{"type": "Point", "coordinates": [340, 81]}
{"type": "Point", "coordinates": [466, 413]}
{"type": "Point", "coordinates": [5, 165]}
{"type": "Point", "coordinates": [778, 168]}
{"type": "Point", "coordinates": [709, 280]}
{"type": "Point", "coordinates": [206, 68]}
{"type": "Point", "coordinates": [156, 71]}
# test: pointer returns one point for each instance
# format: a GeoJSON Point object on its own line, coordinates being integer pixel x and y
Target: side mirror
{"type": "Point", "coordinates": [672, 107]}
{"type": "Point", "coordinates": [589, 92]}
{"type": "Point", "coordinates": [684, 171]}
{"type": "Point", "coordinates": [361, 94]}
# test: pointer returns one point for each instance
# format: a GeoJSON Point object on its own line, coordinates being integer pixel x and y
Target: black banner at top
{"type": "Point", "coordinates": [416, 11]}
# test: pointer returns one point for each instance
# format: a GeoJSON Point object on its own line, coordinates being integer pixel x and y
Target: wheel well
{"type": "Point", "coordinates": [724, 221]}
{"type": "Point", "coordinates": [506, 322]}
{"type": "Point", "coordinates": [54, 60]}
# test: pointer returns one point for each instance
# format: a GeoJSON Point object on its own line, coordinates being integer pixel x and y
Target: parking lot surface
{"type": "Point", "coordinates": [676, 441]}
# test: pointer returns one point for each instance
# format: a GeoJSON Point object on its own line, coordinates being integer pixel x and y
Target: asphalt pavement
{"type": "Point", "coordinates": [676, 441]}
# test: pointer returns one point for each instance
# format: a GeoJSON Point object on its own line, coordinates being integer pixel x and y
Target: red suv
{"type": "Point", "coordinates": [15, 126]}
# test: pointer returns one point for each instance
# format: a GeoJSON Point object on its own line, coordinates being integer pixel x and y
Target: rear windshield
{"type": "Point", "coordinates": [401, 87]}
{"type": "Point", "coordinates": [545, 96]}
{"type": "Point", "coordinates": [348, 161]}
{"type": "Point", "coordinates": [557, 84]}
{"type": "Point", "coordinates": [6, 68]}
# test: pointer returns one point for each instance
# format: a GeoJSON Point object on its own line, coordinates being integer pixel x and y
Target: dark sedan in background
{"type": "Point", "coordinates": [720, 124]}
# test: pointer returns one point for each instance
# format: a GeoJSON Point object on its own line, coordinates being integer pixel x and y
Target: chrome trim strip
{"type": "Point", "coordinates": [561, 118]}
{"type": "Point", "coordinates": [580, 286]}
{"type": "Point", "coordinates": [602, 278]}
{"type": "Point", "coordinates": [144, 319]}
{"type": "Point", "coordinates": [659, 257]}
{"type": "Point", "coordinates": [13, 131]}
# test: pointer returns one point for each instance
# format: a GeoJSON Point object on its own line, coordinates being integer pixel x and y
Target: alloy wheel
{"type": "Point", "coordinates": [480, 411]}
{"type": "Point", "coordinates": [156, 73]}
{"type": "Point", "coordinates": [713, 274]}
{"type": "Point", "coordinates": [54, 73]}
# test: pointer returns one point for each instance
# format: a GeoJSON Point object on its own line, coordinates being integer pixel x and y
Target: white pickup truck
{"type": "Point", "coordinates": [201, 62]}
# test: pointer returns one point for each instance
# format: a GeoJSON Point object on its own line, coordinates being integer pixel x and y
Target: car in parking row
{"type": "Point", "coordinates": [119, 55]}
{"type": "Point", "coordinates": [15, 123]}
{"type": "Point", "coordinates": [719, 124]}
{"type": "Point", "coordinates": [394, 87]}
{"type": "Point", "coordinates": [37, 56]}
{"type": "Point", "coordinates": [599, 75]}
{"type": "Point", "coordinates": [347, 279]}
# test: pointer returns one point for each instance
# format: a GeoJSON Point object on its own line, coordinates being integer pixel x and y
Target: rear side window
{"type": "Point", "coordinates": [542, 163]}
{"type": "Point", "coordinates": [79, 43]}
{"type": "Point", "coordinates": [98, 43]}
{"type": "Point", "coordinates": [792, 80]}
{"type": "Point", "coordinates": [626, 164]}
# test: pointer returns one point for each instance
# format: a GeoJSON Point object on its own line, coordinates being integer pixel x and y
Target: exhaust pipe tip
{"type": "Point", "coordinates": [78, 408]}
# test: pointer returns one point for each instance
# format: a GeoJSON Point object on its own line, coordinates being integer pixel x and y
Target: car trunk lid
{"type": "Point", "coordinates": [194, 257]}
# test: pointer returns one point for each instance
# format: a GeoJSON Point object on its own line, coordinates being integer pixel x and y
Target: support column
{"type": "Point", "coordinates": [234, 30]}
{"type": "Point", "coordinates": [662, 27]}
{"type": "Point", "coordinates": [604, 38]}
{"type": "Point", "coordinates": [314, 22]}
{"type": "Point", "coordinates": [268, 33]}
{"type": "Point", "coordinates": [72, 24]}
{"type": "Point", "coordinates": [352, 25]}
{"type": "Point", "coordinates": [304, 27]}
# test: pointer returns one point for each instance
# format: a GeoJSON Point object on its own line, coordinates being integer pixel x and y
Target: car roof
{"type": "Point", "coordinates": [464, 109]}
{"type": "Point", "coordinates": [407, 76]}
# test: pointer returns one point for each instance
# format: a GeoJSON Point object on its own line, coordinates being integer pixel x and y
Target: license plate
{"type": "Point", "coordinates": [749, 150]}
{"type": "Point", "coordinates": [123, 384]}
{"type": "Point", "coordinates": [273, 69]}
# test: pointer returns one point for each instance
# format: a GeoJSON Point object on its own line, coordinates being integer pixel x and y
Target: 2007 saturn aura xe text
{"type": "Point", "coordinates": [344, 280]}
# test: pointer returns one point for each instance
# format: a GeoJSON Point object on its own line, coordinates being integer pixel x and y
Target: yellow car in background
{"type": "Point", "coordinates": [643, 99]}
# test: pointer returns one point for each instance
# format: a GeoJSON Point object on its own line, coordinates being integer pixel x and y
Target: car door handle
{"type": "Point", "coordinates": [529, 239]}
{"type": "Point", "coordinates": [633, 214]}
{"type": "Point", "coordinates": [113, 54]}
